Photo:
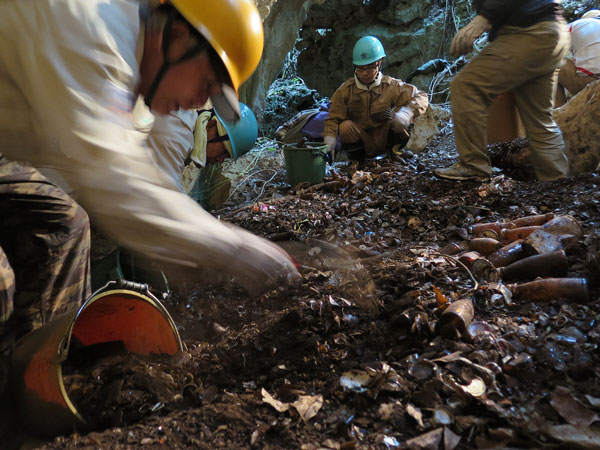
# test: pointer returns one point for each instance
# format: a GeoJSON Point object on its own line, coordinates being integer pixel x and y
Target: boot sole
{"type": "Point", "coordinates": [457, 178]}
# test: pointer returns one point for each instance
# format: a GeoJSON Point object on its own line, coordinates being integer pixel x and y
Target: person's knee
{"type": "Point", "coordinates": [76, 220]}
{"type": "Point", "coordinates": [81, 221]}
{"type": "Point", "coordinates": [349, 132]}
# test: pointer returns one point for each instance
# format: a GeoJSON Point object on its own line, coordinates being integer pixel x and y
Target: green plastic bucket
{"type": "Point", "coordinates": [305, 163]}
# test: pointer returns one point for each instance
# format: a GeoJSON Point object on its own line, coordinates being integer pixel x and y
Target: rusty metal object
{"type": "Point", "coordinates": [547, 289]}
{"type": "Point", "coordinates": [468, 258]}
{"type": "Point", "coordinates": [508, 254]}
{"type": "Point", "coordinates": [553, 264]}
{"type": "Point", "coordinates": [488, 229]}
{"type": "Point", "coordinates": [484, 246]}
{"type": "Point", "coordinates": [514, 234]}
{"type": "Point", "coordinates": [566, 224]}
{"type": "Point", "coordinates": [484, 270]}
{"type": "Point", "coordinates": [456, 318]}
{"type": "Point", "coordinates": [451, 249]}
{"type": "Point", "coordinates": [480, 267]}
{"type": "Point", "coordinates": [539, 219]}
{"type": "Point", "coordinates": [560, 233]}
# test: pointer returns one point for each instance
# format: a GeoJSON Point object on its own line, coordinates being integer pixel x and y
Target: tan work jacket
{"type": "Point", "coordinates": [354, 102]}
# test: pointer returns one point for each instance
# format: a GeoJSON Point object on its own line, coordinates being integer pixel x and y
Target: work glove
{"type": "Point", "coordinates": [280, 134]}
{"type": "Point", "coordinates": [384, 116]}
{"type": "Point", "coordinates": [331, 142]}
{"type": "Point", "coordinates": [466, 36]}
{"type": "Point", "coordinates": [402, 119]}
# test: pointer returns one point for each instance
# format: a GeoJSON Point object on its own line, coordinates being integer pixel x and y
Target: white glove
{"type": "Point", "coordinates": [402, 119]}
{"type": "Point", "coordinates": [466, 36]}
{"type": "Point", "coordinates": [331, 142]}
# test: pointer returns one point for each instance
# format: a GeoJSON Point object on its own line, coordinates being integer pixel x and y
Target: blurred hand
{"type": "Point", "coordinates": [383, 116]}
{"type": "Point", "coordinates": [403, 118]}
{"type": "Point", "coordinates": [331, 142]}
{"type": "Point", "coordinates": [466, 36]}
{"type": "Point", "coordinates": [263, 265]}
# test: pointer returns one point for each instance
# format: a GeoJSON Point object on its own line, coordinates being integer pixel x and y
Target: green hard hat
{"type": "Point", "coordinates": [367, 50]}
{"type": "Point", "coordinates": [243, 133]}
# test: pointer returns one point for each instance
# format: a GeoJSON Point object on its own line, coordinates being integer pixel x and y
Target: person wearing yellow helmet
{"type": "Point", "coordinates": [183, 34]}
{"type": "Point", "coordinates": [79, 81]}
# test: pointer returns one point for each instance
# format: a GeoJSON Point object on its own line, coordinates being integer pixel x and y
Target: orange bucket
{"type": "Point", "coordinates": [128, 313]}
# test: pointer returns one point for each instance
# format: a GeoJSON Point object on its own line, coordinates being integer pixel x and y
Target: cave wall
{"type": "Point", "coordinates": [281, 21]}
{"type": "Point", "coordinates": [413, 32]}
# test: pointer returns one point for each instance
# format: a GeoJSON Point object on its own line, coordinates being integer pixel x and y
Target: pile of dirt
{"type": "Point", "coordinates": [351, 355]}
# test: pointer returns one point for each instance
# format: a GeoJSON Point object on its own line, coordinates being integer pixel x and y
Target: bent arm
{"type": "Point", "coordinates": [83, 107]}
{"type": "Point", "coordinates": [338, 112]}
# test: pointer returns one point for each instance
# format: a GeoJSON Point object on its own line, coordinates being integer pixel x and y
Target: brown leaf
{"type": "Point", "coordinates": [571, 409]}
{"type": "Point", "coordinates": [308, 406]}
{"type": "Point", "coordinates": [580, 437]}
{"type": "Point", "coordinates": [427, 441]}
{"type": "Point", "coordinates": [268, 399]}
{"type": "Point", "coordinates": [441, 298]}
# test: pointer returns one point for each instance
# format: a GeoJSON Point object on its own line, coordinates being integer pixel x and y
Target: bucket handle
{"type": "Point", "coordinates": [141, 288]}
{"type": "Point", "coordinates": [319, 150]}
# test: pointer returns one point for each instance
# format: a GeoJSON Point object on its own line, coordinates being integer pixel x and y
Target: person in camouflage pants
{"type": "Point", "coordinates": [44, 252]}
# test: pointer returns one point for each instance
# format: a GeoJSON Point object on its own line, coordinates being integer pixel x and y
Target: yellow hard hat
{"type": "Point", "coordinates": [233, 28]}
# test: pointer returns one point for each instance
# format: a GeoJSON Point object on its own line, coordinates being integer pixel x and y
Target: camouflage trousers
{"type": "Point", "coordinates": [44, 252]}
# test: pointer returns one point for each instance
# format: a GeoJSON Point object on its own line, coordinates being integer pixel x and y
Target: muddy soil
{"type": "Point", "coordinates": [350, 356]}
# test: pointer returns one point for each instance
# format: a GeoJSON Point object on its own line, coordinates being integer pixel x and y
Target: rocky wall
{"type": "Point", "coordinates": [324, 32]}
{"type": "Point", "coordinates": [416, 35]}
{"type": "Point", "coordinates": [281, 20]}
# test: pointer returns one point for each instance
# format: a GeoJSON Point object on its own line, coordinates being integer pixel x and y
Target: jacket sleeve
{"type": "Point", "coordinates": [409, 95]}
{"type": "Point", "coordinates": [171, 141]}
{"type": "Point", "coordinates": [337, 111]}
{"type": "Point", "coordinates": [83, 107]}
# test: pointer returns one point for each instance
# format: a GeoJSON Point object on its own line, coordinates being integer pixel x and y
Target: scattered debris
{"type": "Point", "coordinates": [352, 356]}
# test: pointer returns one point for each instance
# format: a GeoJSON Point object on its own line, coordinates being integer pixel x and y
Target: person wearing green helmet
{"type": "Point", "coordinates": [187, 146]}
{"type": "Point", "coordinates": [371, 113]}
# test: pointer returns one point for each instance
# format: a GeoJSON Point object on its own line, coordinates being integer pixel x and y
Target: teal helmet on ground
{"type": "Point", "coordinates": [367, 50]}
{"type": "Point", "coordinates": [242, 134]}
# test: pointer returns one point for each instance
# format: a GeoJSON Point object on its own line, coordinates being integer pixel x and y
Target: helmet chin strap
{"type": "Point", "coordinates": [166, 65]}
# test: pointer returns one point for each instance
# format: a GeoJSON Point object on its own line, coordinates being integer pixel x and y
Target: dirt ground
{"type": "Point", "coordinates": [353, 355]}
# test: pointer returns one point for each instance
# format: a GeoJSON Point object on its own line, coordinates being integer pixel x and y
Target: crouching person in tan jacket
{"type": "Point", "coordinates": [371, 112]}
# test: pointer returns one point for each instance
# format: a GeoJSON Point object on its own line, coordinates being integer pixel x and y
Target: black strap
{"type": "Point", "coordinates": [166, 43]}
